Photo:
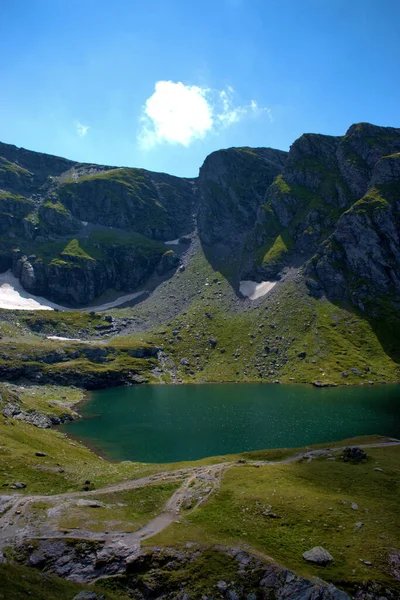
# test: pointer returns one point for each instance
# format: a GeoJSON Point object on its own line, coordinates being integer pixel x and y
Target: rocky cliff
{"type": "Point", "coordinates": [72, 231]}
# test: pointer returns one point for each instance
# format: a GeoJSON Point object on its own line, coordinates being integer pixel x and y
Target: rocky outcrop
{"type": "Point", "coordinates": [156, 205]}
{"type": "Point", "coordinates": [336, 201]}
{"type": "Point", "coordinates": [361, 257]}
{"type": "Point", "coordinates": [55, 218]}
{"type": "Point", "coordinates": [13, 410]}
{"type": "Point", "coordinates": [232, 185]}
{"type": "Point", "coordinates": [75, 278]}
{"type": "Point", "coordinates": [46, 200]}
{"type": "Point", "coordinates": [154, 572]}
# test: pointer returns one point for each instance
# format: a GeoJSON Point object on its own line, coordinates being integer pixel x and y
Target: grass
{"type": "Point", "coordinates": [18, 583]}
{"type": "Point", "coordinates": [74, 250]}
{"type": "Point", "coordinates": [67, 464]}
{"type": "Point", "coordinates": [7, 167]}
{"type": "Point", "coordinates": [371, 202]}
{"type": "Point", "coordinates": [47, 399]}
{"type": "Point", "coordinates": [275, 253]}
{"type": "Point", "coordinates": [313, 505]}
{"type": "Point", "coordinates": [56, 205]}
{"type": "Point", "coordinates": [125, 511]}
{"type": "Point", "coordinates": [264, 343]}
{"type": "Point", "coordinates": [15, 204]}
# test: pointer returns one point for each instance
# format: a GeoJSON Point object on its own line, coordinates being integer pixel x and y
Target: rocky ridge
{"type": "Point", "coordinates": [72, 231]}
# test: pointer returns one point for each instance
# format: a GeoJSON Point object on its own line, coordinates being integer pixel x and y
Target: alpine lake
{"type": "Point", "coordinates": [168, 423]}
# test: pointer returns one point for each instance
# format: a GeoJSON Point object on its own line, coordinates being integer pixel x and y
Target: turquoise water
{"type": "Point", "coordinates": [160, 423]}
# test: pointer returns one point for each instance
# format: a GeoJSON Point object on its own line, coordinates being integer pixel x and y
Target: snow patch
{"type": "Point", "coordinates": [254, 290]}
{"type": "Point", "coordinates": [84, 223]}
{"type": "Point", "coordinates": [64, 339]}
{"type": "Point", "coordinates": [14, 297]}
{"type": "Point", "coordinates": [172, 242]}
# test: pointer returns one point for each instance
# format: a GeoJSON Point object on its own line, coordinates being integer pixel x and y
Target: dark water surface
{"type": "Point", "coordinates": [162, 423]}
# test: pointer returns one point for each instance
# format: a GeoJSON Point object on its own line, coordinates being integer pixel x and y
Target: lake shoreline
{"type": "Point", "coordinates": [191, 422]}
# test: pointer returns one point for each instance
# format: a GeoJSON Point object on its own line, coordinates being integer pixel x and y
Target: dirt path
{"type": "Point", "coordinates": [198, 484]}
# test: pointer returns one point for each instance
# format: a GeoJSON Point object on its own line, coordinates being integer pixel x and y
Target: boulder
{"type": "Point", "coordinates": [353, 454]}
{"type": "Point", "coordinates": [318, 555]}
{"type": "Point", "coordinates": [86, 595]}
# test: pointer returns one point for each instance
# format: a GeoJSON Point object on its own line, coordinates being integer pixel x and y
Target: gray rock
{"type": "Point", "coordinates": [318, 555]}
{"type": "Point", "coordinates": [86, 595]}
{"type": "Point", "coordinates": [353, 454]}
{"type": "Point", "coordinates": [18, 485]}
{"type": "Point", "coordinates": [355, 371]}
{"type": "Point", "coordinates": [222, 586]}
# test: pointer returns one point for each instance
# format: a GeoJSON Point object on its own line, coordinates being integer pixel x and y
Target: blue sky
{"type": "Point", "coordinates": [160, 84]}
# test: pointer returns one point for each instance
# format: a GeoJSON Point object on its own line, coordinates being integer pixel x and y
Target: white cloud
{"type": "Point", "coordinates": [179, 114]}
{"type": "Point", "coordinates": [81, 129]}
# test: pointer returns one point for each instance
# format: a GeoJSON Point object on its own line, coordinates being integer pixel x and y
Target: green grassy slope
{"type": "Point", "coordinates": [284, 510]}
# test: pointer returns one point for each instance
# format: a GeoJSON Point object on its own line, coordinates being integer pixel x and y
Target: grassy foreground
{"type": "Point", "coordinates": [283, 510]}
{"type": "Point", "coordinates": [277, 510]}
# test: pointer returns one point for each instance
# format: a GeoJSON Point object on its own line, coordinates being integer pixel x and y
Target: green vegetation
{"type": "Point", "coordinates": [15, 204]}
{"type": "Point", "coordinates": [119, 239]}
{"type": "Point", "coordinates": [371, 202]}
{"type": "Point", "coordinates": [274, 254]}
{"type": "Point", "coordinates": [56, 205]}
{"type": "Point", "coordinates": [122, 197]}
{"type": "Point", "coordinates": [7, 168]}
{"type": "Point", "coordinates": [283, 510]}
{"type": "Point", "coordinates": [125, 511]}
{"type": "Point", "coordinates": [66, 464]}
{"type": "Point", "coordinates": [19, 583]}
{"type": "Point", "coordinates": [289, 336]}
{"type": "Point", "coordinates": [75, 251]}
{"type": "Point", "coordinates": [47, 399]}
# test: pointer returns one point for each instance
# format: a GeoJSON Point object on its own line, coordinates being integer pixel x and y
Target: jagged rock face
{"type": "Point", "coordinates": [77, 280]}
{"type": "Point", "coordinates": [22, 170]}
{"type": "Point", "coordinates": [232, 185]}
{"type": "Point", "coordinates": [330, 204]}
{"type": "Point", "coordinates": [337, 198]}
{"type": "Point", "coordinates": [362, 256]}
{"type": "Point", "coordinates": [47, 202]}
{"type": "Point", "coordinates": [158, 206]}
{"type": "Point", "coordinates": [55, 218]}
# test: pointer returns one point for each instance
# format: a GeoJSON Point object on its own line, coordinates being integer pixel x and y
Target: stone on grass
{"type": "Point", "coordinates": [353, 454]}
{"type": "Point", "coordinates": [318, 555]}
{"type": "Point", "coordinates": [222, 586]}
{"type": "Point", "coordinates": [86, 595]}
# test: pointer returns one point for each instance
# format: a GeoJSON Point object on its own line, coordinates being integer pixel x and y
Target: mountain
{"type": "Point", "coordinates": [270, 266]}
{"type": "Point", "coordinates": [82, 229]}
{"type": "Point", "coordinates": [320, 223]}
